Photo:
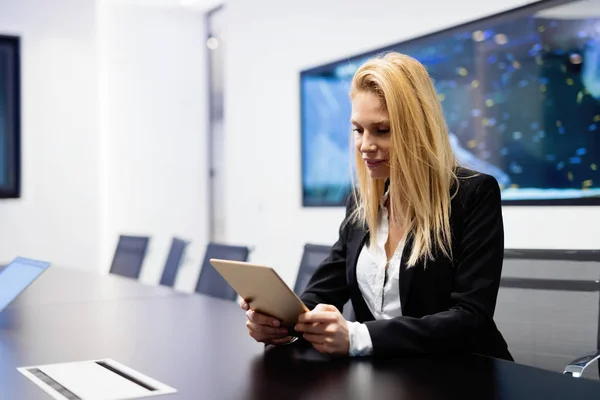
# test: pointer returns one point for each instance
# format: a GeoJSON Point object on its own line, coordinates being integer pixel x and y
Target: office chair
{"type": "Point", "coordinates": [312, 257]}
{"type": "Point", "coordinates": [173, 262]}
{"type": "Point", "coordinates": [576, 367]}
{"type": "Point", "coordinates": [557, 289]}
{"type": "Point", "coordinates": [210, 281]}
{"type": "Point", "coordinates": [129, 256]}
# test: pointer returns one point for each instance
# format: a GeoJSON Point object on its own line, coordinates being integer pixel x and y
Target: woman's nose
{"type": "Point", "coordinates": [368, 146]}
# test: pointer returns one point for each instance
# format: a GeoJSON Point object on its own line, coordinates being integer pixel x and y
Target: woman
{"type": "Point", "coordinates": [421, 248]}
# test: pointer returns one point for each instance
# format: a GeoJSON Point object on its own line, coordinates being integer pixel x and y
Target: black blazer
{"type": "Point", "coordinates": [447, 307]}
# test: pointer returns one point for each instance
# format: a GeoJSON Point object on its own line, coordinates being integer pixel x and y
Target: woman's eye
{"type": "Point", "coordinates": [383, 131]}
{"type": "Point", "coordinates": [357, 130]}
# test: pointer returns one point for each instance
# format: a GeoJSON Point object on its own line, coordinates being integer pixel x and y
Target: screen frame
{"type": "Point", "coordinates": [480, 23]}
{"type": "Point", "coordinates": [13, 189]}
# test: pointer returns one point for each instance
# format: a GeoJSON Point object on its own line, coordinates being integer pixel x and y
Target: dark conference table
{"type": "Point", "coordinates": [199, 345]}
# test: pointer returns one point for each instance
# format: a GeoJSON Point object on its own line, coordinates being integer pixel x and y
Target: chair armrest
{"type": "Point", "coordinates": [576, 367]}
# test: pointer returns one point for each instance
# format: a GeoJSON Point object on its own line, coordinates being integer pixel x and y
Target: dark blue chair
{"type": "Point", "coordinates": [210, 282]}
{"type": "Point", "coordinates": [312, 257]}
{"type": "Point", "coordinates": [174, 259]}
{"type": "Point", "coordinates": [129, 256]}
{"type": "Point", "coordinates": [576, 367]}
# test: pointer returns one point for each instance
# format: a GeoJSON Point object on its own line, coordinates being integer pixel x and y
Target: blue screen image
{"type": "Point", "coordinates": [521, 99]}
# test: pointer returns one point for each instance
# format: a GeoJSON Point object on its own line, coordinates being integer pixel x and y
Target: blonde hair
{"type": "Point", "coordinates": [422, 163]}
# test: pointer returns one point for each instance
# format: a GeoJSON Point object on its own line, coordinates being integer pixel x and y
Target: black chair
{"type": "Point", "coordinates": [547, 307]}
{"type": "Point", "coordinates": [173, 262]}
{"type": "Point", "coordinates": [312, 257]}
{"type": "Point", "coordinates": [129, 256]}
{"type": "Point", "coordinates": [210, 281]}
{"type": "Point", "coordinates": [577, 366]}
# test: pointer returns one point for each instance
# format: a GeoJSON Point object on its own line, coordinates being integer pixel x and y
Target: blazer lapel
{"type": "Point", "coordinates": [361, 310]}
{"type": "Point", "coordinates": [406, 274]}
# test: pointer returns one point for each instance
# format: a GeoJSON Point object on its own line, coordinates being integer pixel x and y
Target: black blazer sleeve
{"type": "Point", "coordinates": [329, 284]}
{"type": "Point", "coordinates": [478, 263]}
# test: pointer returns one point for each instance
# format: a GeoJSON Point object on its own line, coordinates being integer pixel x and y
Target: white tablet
{"type": "Point", "coordinates": [263, 289]}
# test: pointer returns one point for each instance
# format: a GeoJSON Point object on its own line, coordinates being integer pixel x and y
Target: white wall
{"type": "Point", "coordinates": [114, 132]}
{"type": "Point", "coordinates": [57, 217]}
{"type": "Point", "coordinates": [154, 112]}
{"type": "Point", "coordinates": [268, 43]}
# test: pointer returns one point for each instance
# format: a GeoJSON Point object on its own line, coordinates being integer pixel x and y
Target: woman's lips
{"type": "Point", "coordinates": [374, 163]}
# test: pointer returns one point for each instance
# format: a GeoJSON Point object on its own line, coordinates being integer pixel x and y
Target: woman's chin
{"type": "Point", "coordinates": [376, 174]}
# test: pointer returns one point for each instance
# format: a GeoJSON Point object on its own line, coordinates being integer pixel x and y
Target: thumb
{"type": "Point", "coordinates": [325, 307]}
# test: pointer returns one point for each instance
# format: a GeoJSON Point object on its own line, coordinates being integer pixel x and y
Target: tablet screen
{"type": "Point", "coordinates": [17, 276]}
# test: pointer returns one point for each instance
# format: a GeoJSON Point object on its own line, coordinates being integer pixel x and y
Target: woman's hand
{"type": "Point", "coordinates": [326, 328]}
{"type": "Point", "coordinates": [263, 328]}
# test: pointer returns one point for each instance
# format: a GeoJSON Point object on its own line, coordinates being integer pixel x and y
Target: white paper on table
{"type": "Point", "coordinates": [94, 380]}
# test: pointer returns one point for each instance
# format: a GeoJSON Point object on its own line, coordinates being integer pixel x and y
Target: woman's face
{"type": "Point", "coordinates": [371, 127]}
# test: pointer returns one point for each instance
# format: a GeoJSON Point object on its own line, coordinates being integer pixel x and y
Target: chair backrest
{"type": "Point", "coordinates": [129, 256]}
{"type": "Point", "coordinates": [548, 305]}
{"type": "Point", "coordinates": [173, 262]}
{"type": "Point", "coordinates": [312, 257]}
{"type": "Point", "coordinates": [210, 281]}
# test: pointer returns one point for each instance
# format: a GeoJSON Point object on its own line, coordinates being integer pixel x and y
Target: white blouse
{"type": "Point", "coordinates": [379, 286]}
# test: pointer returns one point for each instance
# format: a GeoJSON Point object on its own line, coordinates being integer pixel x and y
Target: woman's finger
{"type": "Point", "coordinates": [318, 317]}
{"type": "Point", "coordinates": [310, 328]}
{"type": "Point", "coordinates": [322, 347]}
{"type": "Point", "coordinates": [271, 330]}
{"type": "Point", "coordinates": [264, 337]}
{"type": "Point", "coordinates": [315, 339]}
{"type": "Point", "coordinates": [262, 319]}
{"type": "Point", "coordinates": [325, 307]}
